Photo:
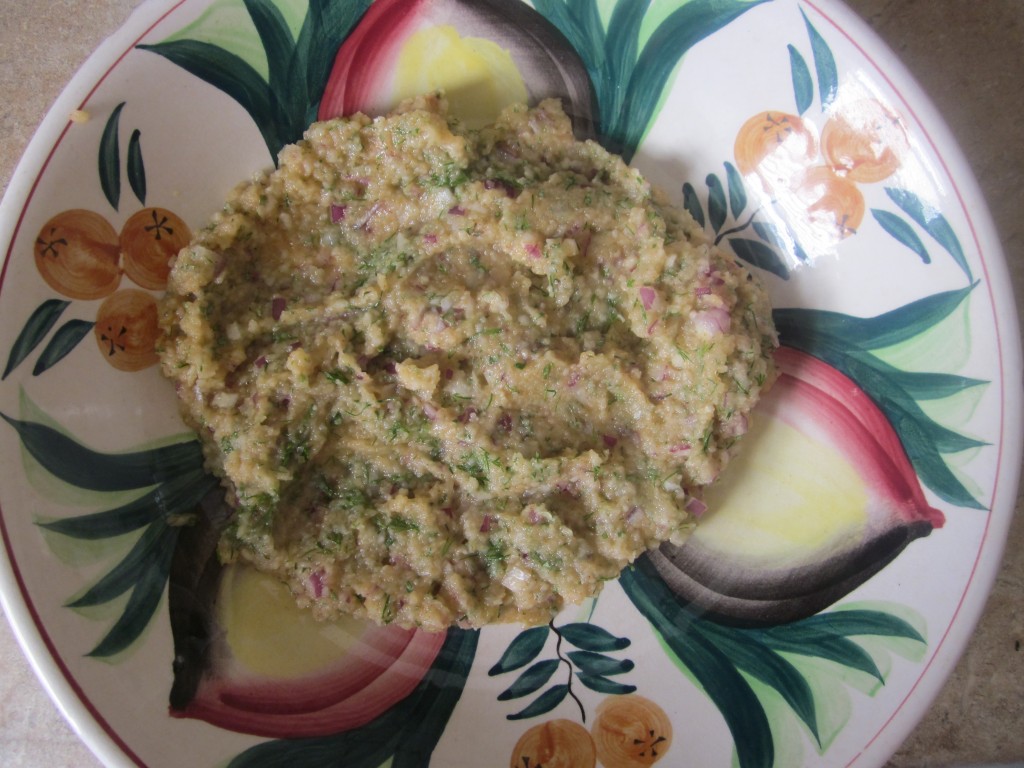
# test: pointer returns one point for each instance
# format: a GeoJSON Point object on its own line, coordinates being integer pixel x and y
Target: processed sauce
{"type": "Point", "coordinates": [459, 377]}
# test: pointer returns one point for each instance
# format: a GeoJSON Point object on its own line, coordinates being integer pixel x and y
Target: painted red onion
{"type": "Point", "coordinates": [236, 634]}
{"type": "Point", "coordinates": [821, 498]}
{"type": "Point", "coordinates": [486, 54]}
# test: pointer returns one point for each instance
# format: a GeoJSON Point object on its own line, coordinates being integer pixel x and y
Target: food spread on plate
{"type": "Point", "coordinates": [455, 376]}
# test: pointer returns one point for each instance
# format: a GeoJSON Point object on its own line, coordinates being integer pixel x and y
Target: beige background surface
{"type": "Point", "coordinates": [969, 57]}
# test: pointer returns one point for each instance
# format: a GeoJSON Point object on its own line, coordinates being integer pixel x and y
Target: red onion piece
{"type": "Point", "coordinates": [713, 321]}
{"type": "Point", "coordinates": [338, 213]}
{"type": "Point", "coordinates": [696, 507]}
{"type": "Point", "coordinates": [316, 581]}
{"type": "Point", "coordinates": [277, 307]}
{"type": "Point", "coordinates": [648, 296]}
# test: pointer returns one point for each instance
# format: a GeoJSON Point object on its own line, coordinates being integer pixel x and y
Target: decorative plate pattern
{"type": "Point", "coordinates": [841, 562]}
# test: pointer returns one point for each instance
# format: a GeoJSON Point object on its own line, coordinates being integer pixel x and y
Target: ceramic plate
{"type": "Point", "coordinates": [842, 564]}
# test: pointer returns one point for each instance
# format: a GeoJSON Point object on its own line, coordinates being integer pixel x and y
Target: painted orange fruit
{"type": "Point", "coordinates": [555, 744]}
{"type": "Point", "coordinates": [864, 141]}
{"type": "Point", "coordinates": [77, 254]}
{"type": "Point", "coordinates": [777, 147]}
{"type": "Point", "coordinates": [631, 732]}
{"type": "Point", "coordinates": [832, 204]}
{"type": "Point", "coordinates": [126, 330]}
{"type": "Point", "coordinates": [149, 240]}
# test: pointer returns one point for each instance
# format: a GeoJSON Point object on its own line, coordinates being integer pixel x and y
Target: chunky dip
{"type": "Point", "coordinates": [459, 377]}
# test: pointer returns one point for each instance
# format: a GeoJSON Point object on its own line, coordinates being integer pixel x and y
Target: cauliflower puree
{"type": "Point", "coordinates": [459, 377]}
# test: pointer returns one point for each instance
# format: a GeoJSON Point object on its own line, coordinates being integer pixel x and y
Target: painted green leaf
{"type": "Point", "coordinates": [692, 203]}
{"type": "Point", "coordinates": [884, 330]}
{"type": "Point", "coordinates": [127, 573]}
{"type": "Point", "coordinates": [543, 704]}
{"type": "Point", "coordinates": [620, 56]}
{"type": "Point", "coordinates": [327, 25]}
{"type": "Point", "coordinates": [902, 231]}
{"type": "Point", "coordinates": [591, 637]}
{"type": "Point", "coordinates": [232, 75]}
{"type": "Point", "coordinates": [82, 467]}
{"type": "Point", "coordinates": [589, 21]}
{"type": "Point", "coordinates": [173, 497]}
{"type": "Point", "coordinates": [147, 589]}
{"type": "Point", "coordinates": [717, 210]}
{"type": "Point", "coordinates": [927, 460]}
{"type": "Point", "coordinates": [406, 734]}
{"type": "Point", "coordinates": [110, 158]}
{"type": "Point", "coordinates": [39, 323]}
{"type": "Point", "coordinates": [678, 33]}
{"type": "Point", "coordinates": [824, 64]}
{"type": "Point", "coordinates": [785, 242]}
{"type": "Point", "coordinates": [533, 679]}
{"type": "Point", "coordinates": [602, 684]}
{"type": "Point", "coordinates": [557, 12]}
{"type": "Point", "coordinates": [136, 168]}
{"type": "Point", "coordinates": [591, 663]}
{"type": "Point", "coordinates": [769, 233]}
{"type": "Point", "coordinates": [64, 340]}
{"type": "Point", "coordinates": [725, 686]}
{"type": "Point", "coordinates": [287, 87]}
{"type": "Point", "coordinates": [853, 622]}
{"type": "Point", "coordinates": [933, 386]}
{"type": "Point", "coordinates": [811, 641]}
{"type": "Point", "coordinates": [803, 86]}
{"type": "Point", "coordinates": [933, 222]}
{"type": "Point", "coordinates": [737, 190]}
{"type": "Point", "coordinates": [753, 657]}
{"type": "Point", "coordinates": [523, 649]}
{"type": "Point", "coordinates": [759, 255]}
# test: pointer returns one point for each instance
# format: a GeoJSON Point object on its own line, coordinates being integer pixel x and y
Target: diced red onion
{"type": "Point", "coordinates": [277, 306]}
{"type": "Point", "coordinates": [533, 249]}
{"type": "Point", "coordinates": [261, 361]}
{"type": "Point", "coordinates": [338, 213]}
{"type": "Point", "coordinates": [610, 441]}
{"type": "Point", "coordinates": [316, 581]}
{"type": "Point", "coordinates": [456, 210]}
{"type": "Point", "coordinates": [485, 526]}
{"type": "Point", "coordinates": [510, 190]}
{"type": "Point", "coordinates": [713, 321]}
{"type": "Point", "coordinates": [696, 507]}
{"type": "Point", "coordinates": [648, 296]}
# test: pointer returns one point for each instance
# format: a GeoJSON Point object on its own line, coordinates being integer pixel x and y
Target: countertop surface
{"type": "Point", "coordinates": [967, 55]}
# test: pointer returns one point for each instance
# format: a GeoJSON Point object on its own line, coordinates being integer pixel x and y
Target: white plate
{"type": "Point", "coordinates": [916, 271]}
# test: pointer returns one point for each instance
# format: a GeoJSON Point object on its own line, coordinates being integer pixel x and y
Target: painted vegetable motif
{"type": "Point", "coordinates": [752, 625]}
{"type": "Point", "coordinates": [235, 632]}
{"type": "Point", "coordinates": [775, 548]}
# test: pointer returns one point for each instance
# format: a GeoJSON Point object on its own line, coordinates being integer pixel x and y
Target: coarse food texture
{"type": "Point", "coordinates": [458, 377]}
